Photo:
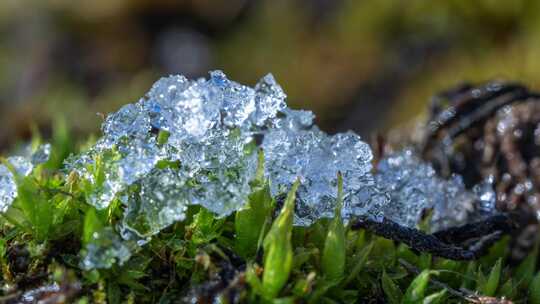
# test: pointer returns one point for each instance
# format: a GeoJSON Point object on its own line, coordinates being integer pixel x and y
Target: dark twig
{"type": "Point", "coordinates": [424, 242]}
{"type": "Point", "coordinates": [458, 235]}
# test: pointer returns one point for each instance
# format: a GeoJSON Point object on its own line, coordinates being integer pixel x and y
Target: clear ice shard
{"type": "Point", "coordinates": [415, 187]}
{"type": "Point", "coordinates": [23, 165]}
{"type": "Point", "coordinates": [295, 148]}
{"type": "Point", "coordinates": [161, 201]}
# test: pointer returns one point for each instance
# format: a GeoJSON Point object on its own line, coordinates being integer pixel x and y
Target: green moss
{"type": "Point", "coordinates": [246, 257]}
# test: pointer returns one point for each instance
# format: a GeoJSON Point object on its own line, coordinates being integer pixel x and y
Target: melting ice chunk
{"type": "Point", "coordinates": [161, 201]}
{"type": "Point", "coordinates": [415, 187]}
{"type": "Point", "coordinates": [104, 250]}
{"type": "Point", "coordinates": [212, 127]}
{"type": "Point", "coordinates": [207, 124]}
{"type": "Point", "coordinates": [295, 148]}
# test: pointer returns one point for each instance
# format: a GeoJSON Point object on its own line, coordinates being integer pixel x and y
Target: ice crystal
{"type": "Point", "coordinates": [295, 148]}
{"type": "Point", "coordinates": [23, 165]}
{"type": "Point", "coordinates": [161, 201]}
{"type": "Point", "coordinates": [270, 99]}
{"type": "Point", "coordinates": [414, 187]}
{"type": "Point", "coordinates": [104, 250]}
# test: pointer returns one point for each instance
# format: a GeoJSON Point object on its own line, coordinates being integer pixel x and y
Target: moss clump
{"type": "Point", "coordinates": [253, 255]}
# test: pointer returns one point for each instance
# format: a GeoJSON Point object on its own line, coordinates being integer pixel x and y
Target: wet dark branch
{"type": "Point", "coordinates": [424, 242]}
{"type": "Point", "coordinates": [457, 235]}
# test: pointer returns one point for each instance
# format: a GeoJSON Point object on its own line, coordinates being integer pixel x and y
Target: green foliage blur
{"type": "Point", "coordinates": [362, 65]}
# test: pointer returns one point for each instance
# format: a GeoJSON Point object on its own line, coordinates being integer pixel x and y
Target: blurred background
{"type": "Point", "coordinates": [365, 65]}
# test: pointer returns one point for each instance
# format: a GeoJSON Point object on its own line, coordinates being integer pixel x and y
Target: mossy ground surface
{"type": "Point", "coordinates": [252, 256]}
